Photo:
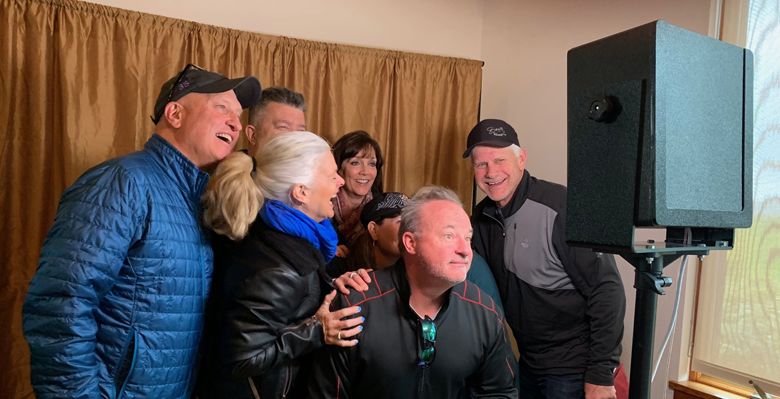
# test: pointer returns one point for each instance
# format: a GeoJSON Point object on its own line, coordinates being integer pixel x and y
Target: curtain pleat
{"type": "Point", "coordinates": [78, 82]}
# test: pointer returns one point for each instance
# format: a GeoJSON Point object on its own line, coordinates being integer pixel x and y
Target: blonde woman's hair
{"type": "Point", "coordinates": [235, 193]}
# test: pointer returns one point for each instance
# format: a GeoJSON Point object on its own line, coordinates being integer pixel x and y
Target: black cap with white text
{"type": "Point", "coordinates": [491, 133]}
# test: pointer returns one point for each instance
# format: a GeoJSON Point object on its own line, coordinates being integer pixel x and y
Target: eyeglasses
{"type": "Point", "coordinates": [427, 342]}
{"type": "Point", "coordinates": [180, 83]}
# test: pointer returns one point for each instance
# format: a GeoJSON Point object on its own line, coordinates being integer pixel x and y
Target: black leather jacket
{"type": "Point", "coordinates": [267, 288]}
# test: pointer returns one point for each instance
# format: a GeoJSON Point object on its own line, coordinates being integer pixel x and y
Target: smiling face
{"type": "Point", "coordinates": [359, 172]}
{"type": "Point", "coordinates": [276, 118]}
{"type": "Point", "coordinates": [206, 126]}
{"type": "Point", "coordinates": [316, 199]}
{"type": "Point", "coordinates": [442, 242]}
{"type": "Point", "coordinates": [498, 171]}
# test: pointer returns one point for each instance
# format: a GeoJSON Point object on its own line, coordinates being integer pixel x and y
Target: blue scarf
{"type": "Point", "coordinates": [291, 221]}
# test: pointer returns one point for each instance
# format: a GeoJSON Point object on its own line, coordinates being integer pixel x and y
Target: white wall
{"type": "Point", "coordinates": [440, 27]}
{"type": "Point", "coordinates": [524, 47]}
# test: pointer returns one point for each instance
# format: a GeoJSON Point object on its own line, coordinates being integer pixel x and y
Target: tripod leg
{"type": "Point", "coordinates": [644, 327]}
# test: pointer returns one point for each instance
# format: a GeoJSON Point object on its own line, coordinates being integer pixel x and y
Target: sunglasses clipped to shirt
{"type": "Point", "coordinates": [427, 341]}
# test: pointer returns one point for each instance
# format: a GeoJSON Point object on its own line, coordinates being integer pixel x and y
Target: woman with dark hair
{"type": "Point", "coordinates": [359, 159]}
{"type": "Point", "coordinates": [269, 310]}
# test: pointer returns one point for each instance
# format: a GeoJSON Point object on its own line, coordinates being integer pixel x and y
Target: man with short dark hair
{"type": "Point", "coordinates": [565, 305]}
{"type": "Point", "coordinates": [116, 307]}
{"type": "Point", "coordinates": [428, 333]}
{"type": "Point", "coordinates": [279, 110]}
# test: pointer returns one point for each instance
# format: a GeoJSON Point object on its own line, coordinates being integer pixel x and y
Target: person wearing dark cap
{"type": "Point", "coordinates": [377, 246]}
{"type": "Point", "coordinates": [565, 305]}
{"type": "Point", "coordinates": [381, 218]}
{"type": "Point", "coordinates": [117, 305]}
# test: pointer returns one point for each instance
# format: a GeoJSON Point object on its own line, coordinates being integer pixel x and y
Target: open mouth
{"type": "Point", "coordinates": [362, 181]}
{"type": "Point", "coordinates": [494, 183]}
{"type": "Point", "coordinates": [225, 137]}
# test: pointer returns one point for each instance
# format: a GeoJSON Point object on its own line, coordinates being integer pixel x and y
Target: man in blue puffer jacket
{"type": "Point", "coordinates": [116, 306]}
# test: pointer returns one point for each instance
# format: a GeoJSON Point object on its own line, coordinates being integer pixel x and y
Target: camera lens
{"type": "Point", "coordinates": [603, 109]}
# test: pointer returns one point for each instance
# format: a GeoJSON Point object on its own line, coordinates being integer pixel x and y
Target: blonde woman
{"type": "Point", "coordinates": [271, 216]}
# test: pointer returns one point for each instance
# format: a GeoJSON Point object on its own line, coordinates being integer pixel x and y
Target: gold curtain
{"type": "Point", "coordinates": [78, 82]}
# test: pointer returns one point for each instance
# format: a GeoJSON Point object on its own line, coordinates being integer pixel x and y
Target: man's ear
{"type": "Point", "coordinates": [409, 241]}
{"type": "Point", "coordinates": [250, 132]}
{"type": "Point", "coordinates": [299, 194]}
{"type": "Point", "coordinates": [173, 113]}
{"type": "Point", "coordinates": [372, 230]}
{"type": "Point", "coordinates": [521, 158]}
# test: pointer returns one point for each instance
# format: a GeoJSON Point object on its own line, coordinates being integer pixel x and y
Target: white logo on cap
{"type": "Point", "coordinates": [496, 131]}
{"type": "Point", "coordinates": [392, 201]}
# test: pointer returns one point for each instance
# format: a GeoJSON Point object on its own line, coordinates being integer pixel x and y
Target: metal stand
{"type": "Point", "coordinates": [650, 259]}
{"type": "Point", "coordinates": [649, 282]}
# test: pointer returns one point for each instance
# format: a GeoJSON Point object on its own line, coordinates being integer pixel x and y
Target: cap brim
{"type": "Point", "coordinates": [488, 143]}
{"type": "Point", "coordinates": [247, 89]}
{"type": "Point", "coordinates": [379, 216]}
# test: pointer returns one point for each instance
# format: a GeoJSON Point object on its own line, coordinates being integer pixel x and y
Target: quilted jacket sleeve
{"type": "Point", "coordinates": [97, 221]}
{"type": "Point", "coordinates": [258, 332]}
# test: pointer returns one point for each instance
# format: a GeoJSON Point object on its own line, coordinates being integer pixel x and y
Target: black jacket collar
{"type": "Point", "coordinates": [296, 251]}
{"type": "Point", "coordinates": [401, 280]}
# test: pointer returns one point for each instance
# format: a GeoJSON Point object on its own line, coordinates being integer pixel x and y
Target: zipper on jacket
{"type": "Point", "coordinates": [421, 382]}
{"type": "Point", "coordinates": [287, 383]}
{"type": "Point", "coordinates": [500, 221]}
{"type": "Point", "coordinates": [253, 387]}
{"type": "Point", "coordinates": [422, 368]}
{"type": "Point", "coordinates": [204, 286]}
{"type": "Point", "coordinates": [497, 220]}
{"type": "Point", "coordinates": [126, 364]}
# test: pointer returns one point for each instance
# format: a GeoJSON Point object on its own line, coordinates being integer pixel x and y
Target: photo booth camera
{"type": "Point", "coordinates": [659, 136]}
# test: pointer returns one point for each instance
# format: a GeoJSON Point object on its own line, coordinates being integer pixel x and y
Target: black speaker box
{"type": "Point", "coordinates": [659, 135]}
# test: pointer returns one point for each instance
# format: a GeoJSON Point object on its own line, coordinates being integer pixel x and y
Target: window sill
{"type": "Point", "coordinates": [696, 390]}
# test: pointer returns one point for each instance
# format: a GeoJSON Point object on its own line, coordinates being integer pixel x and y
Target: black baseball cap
{"type": "Point", "coordinates": [383, 206]}
{"type": "Point", "coordinates": [491, 133]}
{"type": "Point", "coordinates": [194, 79]}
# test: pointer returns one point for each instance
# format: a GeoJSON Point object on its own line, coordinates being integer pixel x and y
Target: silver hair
{"type": "Point", "coordinates": [286, 160]}
{"type": "Point", "coordinates": [514, 147]}
{"type": "Point", "coordinates": [239, 185]}
{"type": "Point", "coordinates": [410, 215]}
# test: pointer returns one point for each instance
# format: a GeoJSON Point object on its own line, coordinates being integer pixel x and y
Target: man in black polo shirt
{"type": "Point", "coordinates": [428, 333]}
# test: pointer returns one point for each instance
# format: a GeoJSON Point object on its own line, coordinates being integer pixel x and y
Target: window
{"type": "Point", "coordinates": [737, 331]}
